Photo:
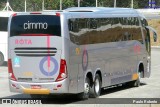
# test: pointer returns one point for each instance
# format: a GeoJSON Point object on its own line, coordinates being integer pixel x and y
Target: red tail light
{"type": "Point", "coordinates": [15, 14]}
{"type": "Point", "coordinates": [58, 14]}
{"type": "Point", "coordinates": [10, 70]}
{"type": "Point", "coordinates": [63, 71]}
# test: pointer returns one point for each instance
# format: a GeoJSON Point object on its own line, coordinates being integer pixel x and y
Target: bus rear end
{"type": "Point", "coordinates": [36, 64]}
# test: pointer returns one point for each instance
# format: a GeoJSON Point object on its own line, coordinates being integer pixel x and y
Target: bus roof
{"type": "Point", "coordinates": [6, 13]}
{"type": "Point", "coordinates": [102, 10]}
{"type": "Point", "coordinates": [86, 10]}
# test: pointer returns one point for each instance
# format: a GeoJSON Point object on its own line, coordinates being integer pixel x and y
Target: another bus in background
{"type": "Point", "coordinates": [4, 15]}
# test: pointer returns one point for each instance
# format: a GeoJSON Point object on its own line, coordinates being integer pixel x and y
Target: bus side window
{"type": "Point", "coordinates": [70, 25]}
{"type": "Point", "coordinates": [73, 28]}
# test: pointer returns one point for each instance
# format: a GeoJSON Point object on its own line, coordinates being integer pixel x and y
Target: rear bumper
{"type": "Point", "coordinates": [60, 87]}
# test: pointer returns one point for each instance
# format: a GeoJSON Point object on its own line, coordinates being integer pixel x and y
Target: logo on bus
{"type": "Point", "coordinates": [23, 42]}
{"type": "Point", "coordinates": [46, 68]}
{"type": "Point", "coordinates": [39, 25]}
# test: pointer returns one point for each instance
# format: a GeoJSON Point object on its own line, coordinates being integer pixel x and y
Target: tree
{"type": "Point", "coordinates": [36, 5]}
{"type": "Point", "coordinates": [68, 3]}
{"type": "Point", "coordinates": [140, 3]}
{"type": "Point", "coordinates": [106, 3]}
{"type": "Point", "coordinates": [88, 3]}
{"type": "Point", "coordinates": [125, 4]}
{"type": "Point", "coordinates": [17, 5]}
{"type": "Point", "coordinates": [157, 3]}
{"type": "Point", "coordinates": [2, 4]}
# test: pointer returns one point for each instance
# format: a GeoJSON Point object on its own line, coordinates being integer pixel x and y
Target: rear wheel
{"type": "Point", "coordinates": [1, 59]}
{"type": "Point", "coordinates": [96, 87]}
{"type": "Point", "coordinates": [85, 94]}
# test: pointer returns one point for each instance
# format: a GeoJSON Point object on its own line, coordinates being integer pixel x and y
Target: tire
{"type": "Point", "coordinates": [96, 87]}
{"type": "Point", "coordinates": [1, 59]}
{"type": "Point", "coordinates": [85, 95]}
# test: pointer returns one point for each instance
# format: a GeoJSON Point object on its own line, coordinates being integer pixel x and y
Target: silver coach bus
{"type": "Point", "coordinates": [77, 51]}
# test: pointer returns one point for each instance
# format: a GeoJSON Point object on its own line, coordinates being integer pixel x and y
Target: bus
{"type": "Point", "coordinates": [79, 50]}
{"type": "Point", "coordinates": [4, 15]}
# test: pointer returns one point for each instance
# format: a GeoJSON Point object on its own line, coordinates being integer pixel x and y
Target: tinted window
{"type": "Point", "coordinates": [102, 30]}
{"type": "Point", "coordinates": [35, 24]}
{"type": "Point", "coordinates": [144, 22]}
{"type": "Point", "coordinates": [3, 23]}
{"type": "Point", "coordinates": [146, 35]}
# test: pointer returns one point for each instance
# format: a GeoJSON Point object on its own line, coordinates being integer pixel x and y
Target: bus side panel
{"type": "Point", "coordinates": [69, 55]}
{"type": "Point", "coordinates": [147, 73]}
{"type": "Point", "coordinates": [97, 60]}
{"type": "Point", "coordinates": [117, 57]}
{"type": "Point", "coordinates": [146, 49]}
{"type": "Point", "coordinates": [143, 58]}
{"type": "Point", "coordinates": [147, 64]}
{"type": "Point", "coordinates": [106, 77]}
{"type": "Point", "coordinates": [73, 70]}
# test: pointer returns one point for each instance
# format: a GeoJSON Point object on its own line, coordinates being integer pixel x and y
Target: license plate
{"type": "Point", "coordinates": [35, 87]}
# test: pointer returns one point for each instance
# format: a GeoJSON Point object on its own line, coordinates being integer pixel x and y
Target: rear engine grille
{"type": "Point", "coordinates": [35, 52]}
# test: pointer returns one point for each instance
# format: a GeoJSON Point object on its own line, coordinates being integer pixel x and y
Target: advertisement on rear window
{"type": "Point", "coordinates": [35, 24]}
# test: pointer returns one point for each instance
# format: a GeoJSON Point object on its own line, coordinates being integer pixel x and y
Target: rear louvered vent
{"type": "Point", "coordinates": [35, 52]}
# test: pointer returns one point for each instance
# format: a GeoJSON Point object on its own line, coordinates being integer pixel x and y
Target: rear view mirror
{"type": "Point", "coordinates": [155, 36]}
{"type": "Point", "coordinates": [154, 33]}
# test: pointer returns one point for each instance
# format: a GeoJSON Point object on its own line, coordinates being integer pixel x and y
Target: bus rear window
{"type": "Point", "coordinates": [3, 23]}
{"type": "Point", "coordinates": [35, 24]}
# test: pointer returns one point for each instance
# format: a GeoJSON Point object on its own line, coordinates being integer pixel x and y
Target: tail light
{"type": "Point", "coordinates": [10, 70]}
{"type": "Point", "coordinates": [63, 71]}
{"type": "Point", "coordinates": [58, 14]}
{"type": "Point", "coordinates": [15, 14]}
